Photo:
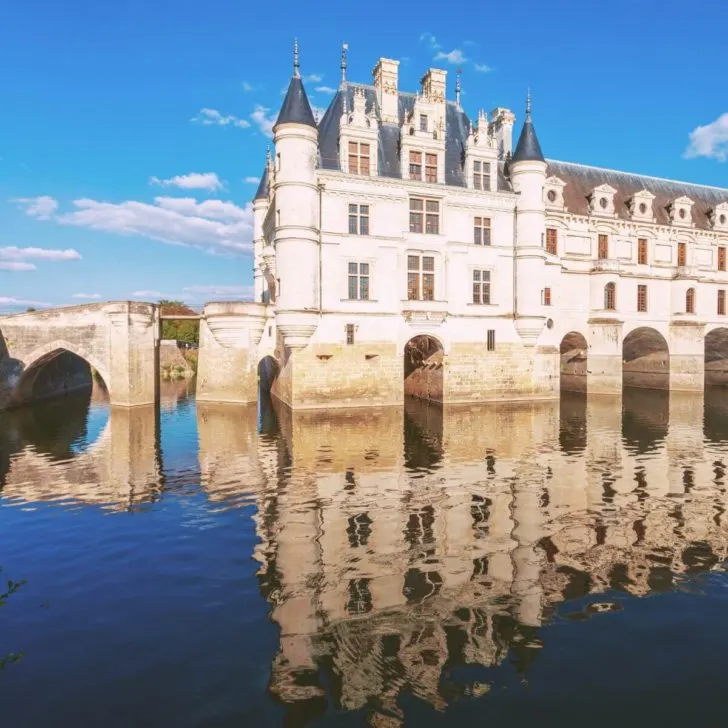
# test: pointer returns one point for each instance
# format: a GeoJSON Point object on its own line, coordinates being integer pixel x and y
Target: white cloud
{"type": "Point", "coordinates": [237, 292]}
{"type": "Point", "coordinates": [87, 296]}
{"type": "Point", "coordinates": [482, 68]}
{"type": "Point", "coordinates": [22, 254]}
{"type": "Point", "coordinates": [313, 78]}
{"type": "Point", "coordinates": [212, 117]}
{"type": "Point", "coordinates": [248, 86]}
{"type": "Point", "coordinates": [252, 180]}
{"type": "Point", "coordinates": [41, 207]}
{"type": "Point", "coordinates": [263, 121]}
{"type": "Point", "coordinates": [150, 294]}
{"type": "Point", "coordinates": [215, 225]}
{"type": "Point", "coordinates": [430, 40]}
{"type": "Point", "coordinates": [325, 90]}
{"type": "Point", "coordinates": [10, 301]}
{"type": "Point", "coordinates": [16, 266]}
{"type": "Point", "coordinates": [454, 56]}
{"type": "Point", "coordinates": [318, 112]}
{"type": "Point", "coordinates": [710, 140]}
{"type": "Point", "coordinates": [194, 181]}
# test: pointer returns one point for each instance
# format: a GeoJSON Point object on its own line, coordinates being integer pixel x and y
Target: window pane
{"type": "Point", "coordinates": [433, 206]}
{"type": "Point", "coordinates": [433, 224]}
{"type": "Point", "coordinates": [413, 262]}
{"type": "Point", "coordinates": [415, 222]}
{"type": "Point", "coordinates": [428, 287]}
{"type": "Point", "coordinates": [431, 159]}
{"type": "Point", "coordinates": [476, 275]}
{"type": "Point", "coordinates": [352, 225]}
{"type": "Point", "coordinates": [476, 292]}
{"type": "Point", "coordinates": [364, 226]}
{"type": "Point", "coordinates": [428, 263]}
{"type": "Point", "coordinates": [415, 157]}
{"type": "Point", "coordinates": [352, 209]}
{"type": "Point", "coordinates": [476, 166]}
{"type": "Point", "coordinates": [352, 268]}
{"type": "Point", "coordinates": [477, 235]}
{"type": "Point", "coordinates": [364, 268]}
{"type": "Point", "coordinates": [352, 286]}
{"type": "Point", "coordinates": [486, 292]}
{"type": "Point", "coordinates": [353, 164]}
{"type": "Point", "coordinates": [412, 286]}
{"type": "Point", "coordinates": [486, 236]}
{"type": "Point", "coordinates": [486, 275]}
{"type": "Point", "coordinates": [364, 150]}
{"type": "Point", "coordinates": [364, 288]}
{"type": "Point", "coordinates": [364, 209]}
{"type": "Point", "coordinates": [416, 204]}
{"type": "Point", "coordinates": [352, 148]}
{"type": "Point", "coordinates": [364, 165]}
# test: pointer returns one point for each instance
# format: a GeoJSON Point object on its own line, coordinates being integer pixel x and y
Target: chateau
{"type": "Point", "coordinates": [401, 247]}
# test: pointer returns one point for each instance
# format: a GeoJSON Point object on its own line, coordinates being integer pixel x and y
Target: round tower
{"type": "Point", "coordinates": [528, 175]}
{"type": "Point", "coordinates": [297, 215]}
{"type": "Point", "coordinates": [260, 210]}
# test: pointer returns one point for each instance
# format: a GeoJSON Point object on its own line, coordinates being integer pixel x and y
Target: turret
{"type": "Point", "coordinates": [528, 175]}
{"type": "Point", "coordinates": [297, 215]}
{"type": "Point", "coordinates": [260, 209]}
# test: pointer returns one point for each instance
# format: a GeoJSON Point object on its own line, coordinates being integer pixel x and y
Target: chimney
{"type": "Point", "coordinates": [501, 125]}
{"type": "Point", "coordinates": [386, 76]}
{"type": "Point", "coordinates": [433, 85]}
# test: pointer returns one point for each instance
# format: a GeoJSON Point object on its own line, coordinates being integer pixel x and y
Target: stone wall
{"type": "Point", "coordinates": [172, 361]}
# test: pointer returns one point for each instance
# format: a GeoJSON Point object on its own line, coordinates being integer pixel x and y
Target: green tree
{"type": "Point", "coordinates": [184, 330]}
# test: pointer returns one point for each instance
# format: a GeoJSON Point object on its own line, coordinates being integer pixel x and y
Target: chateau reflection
{"type": "Point", "coordinates": [48, 453]}
{"type": "Point", "coordinates": [395, 545]}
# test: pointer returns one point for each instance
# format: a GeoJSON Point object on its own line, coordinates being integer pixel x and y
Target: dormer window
{"type": "Point", "coordinates": [719, 217]}
{"type": "Point", "coordinates": [423, 122]}
{"type": "Point", "coordinates": [415, 166]}
{"type": "Point", "coordinates": [640, 206]}
{"type": "Point", "coordinates": [554, 193]}
{"type": "Point", "coordinates": [601, 200]}
{"type": "Point", "coordinates": [481, 175]}
{"type": "Point", "coordinates": [681, 212]}
{"type": "Point", "coordinates": [359, 156]}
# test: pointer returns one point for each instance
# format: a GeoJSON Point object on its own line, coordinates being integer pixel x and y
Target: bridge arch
{"type": "Point", "coordinates": [73, 371]}
{"type": "Point", "coordinates": [423, 367]}
{"type": "Point", "coordinates": [573, 368]}
{"type": "Point", "coordinates": [716, 356]}
{"type": "Point", "coordinates": [645, 359]}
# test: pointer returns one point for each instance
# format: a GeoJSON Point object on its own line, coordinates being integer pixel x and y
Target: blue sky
{"type": "Point", "coordinates": [131, 133]}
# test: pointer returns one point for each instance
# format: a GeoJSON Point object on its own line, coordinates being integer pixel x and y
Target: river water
{"type": "Point", "coordinates": [207, 565]}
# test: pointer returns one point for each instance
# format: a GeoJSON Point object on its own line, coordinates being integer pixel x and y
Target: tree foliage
{"type": "Point", "coordinates": [187, 331]}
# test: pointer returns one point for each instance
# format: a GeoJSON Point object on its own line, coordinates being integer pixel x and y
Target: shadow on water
{"type": "Point", "coordinates": [645, 418]}
{"type": "Point", "coordinates": [422, 433]}
{"type": "Point", "coordinates": [572, 422]}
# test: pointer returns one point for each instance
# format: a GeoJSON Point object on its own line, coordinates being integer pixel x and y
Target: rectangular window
{"type": "Point", "coordinates": [425, 212]}
{"type": "Point", "coordinates": [603, 251]}
{"type": "Point", "coordinates": [359, 281]}
{"type": "Point", "coordinates": [491, 340]}
{"type": "Point", "coordinates": [415, 165]}
{"type": "Point", "coordinates": [349, 334]}
{"type": "Point", "coordinates": [358, 219]}
{"type": "Point", "coordinates": [481, 286]}
{"type": "Point", "coordinates": [682, 254]}
{"type": "Point", "coordinates": [721, 258]}
{"type": "Point", "coordinates": [721, 302]}
{"type": "Point", "coordinates": [486, 175]}
{"type": "Point", "coordinates": [642, 251]}
{"type": "Point", "coordinates": [358, 158]}
{"type": "Point", "coordinates": [420, 278]}
{"type": "Point", "coordinates": [642, 297]}
{"type": "Point", "coordinates": [552, 241]}
{"type": "Point", "coordinates": [481, 175]}
{"type": "Point", "coordinates": [481, 231]}
{"type": "Point", "coordinates": [546, 297]}
{"type": "Point", "coordinates": [423, 122]}
{"type": "Point", "coordinates": [430, 167]}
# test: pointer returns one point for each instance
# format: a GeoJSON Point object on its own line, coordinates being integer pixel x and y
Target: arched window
{"type": "Point", "coordinates": [690, 301]}
{"type": "Point", "coordinates": [610, 297]}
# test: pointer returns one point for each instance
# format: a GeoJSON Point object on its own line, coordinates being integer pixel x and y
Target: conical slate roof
{"type": "Point", "coordinates": [262, 193]}
{"type": "Point", "coordinates": [296, 109]}
{"type": "Point", "coordinates": [528, 149]}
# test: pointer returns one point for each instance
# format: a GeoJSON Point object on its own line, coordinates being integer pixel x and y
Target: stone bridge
{"type": "Point", "coordinates": [46, 353]}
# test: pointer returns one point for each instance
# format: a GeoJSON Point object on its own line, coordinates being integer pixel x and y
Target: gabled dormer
{"type": "Point", "coordinates": [481, 156]}
{"type": "Point", "coordinates": [601, 201]}
{"type": "Point", "coordinates": [640, 206]}
{"type": "Point", "coordinates": [719, 217]}
{"type": "Point", "coordinates": [553, 194]}
{"type": "Point", "coordinates": [680, 212]}
{"type": "Point", "coordinates": [422, 133]}
{"type": "Point", "coordinates": [358, 136]}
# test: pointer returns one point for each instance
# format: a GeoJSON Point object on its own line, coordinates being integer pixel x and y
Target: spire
{"type": "Point", "coordinates": [296, 63]}
{"type": "Point", "coordinates": [296, 109]}
{"type": "Point", "coordinates": [528, 149]}
{"type": "Point", "coordinates": [457, 87]}
{"type": "Point", "coordinates": [262, 193]}
{"type": "Point", "coordinates": [344, 49]}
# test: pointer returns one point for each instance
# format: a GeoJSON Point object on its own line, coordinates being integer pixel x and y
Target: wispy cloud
{"type": "Point", "coordinates": [263, 120]}
{"type": "Point", "coordinates": [430, 40]}
{"type": "Point", "coordinates": [41, 207]}
{"type": "Point", "coordinates": [87, 296]}
{"type": "Point", "coordinates": [10, 301]}
{"type": "Point", "coordinates": [237, 292]}
{"type": "Point", "coordinates": [325, 90]}
{"type": "Point", "coordinates": [194, 181]}
{"type": "Point", "coordinates": [19, 259]}
{"type": "Point", "coordinates": [313, 78]}
{"type": "Point", "coordinates": [252, 180]}
{"type": "Point", "coordinates": [212, 117]}
{"type": "Point", "coordinates": [482, 68]}
{"type": "Point", "coordinates": [214, 225]}
{"type": "Point", "coordinates": [248, 86]}
{"type": "Point", "coordinates": [454, 56]}
{"type": "Point", "coordinates": [710, 140]}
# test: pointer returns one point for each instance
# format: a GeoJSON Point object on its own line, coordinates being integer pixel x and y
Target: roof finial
{"type": "Point", "coordinates": [296, 64]}
{"type": "Point", "coordinates": [344, 49]}
{"type": "Point", "coordinates": [457, 87]}
{"type": "Point", "coordinates": [528, 105]}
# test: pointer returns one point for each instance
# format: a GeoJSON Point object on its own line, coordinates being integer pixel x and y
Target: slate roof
{"type": "Point", "coordinates": [581, 180]}
{"type": "Point", "coordinates": [296, 109]}
{"type": "Point", "coordinates": [262, 193]}
{"type": "Point", "coordinates": [456, 133]}
{"type": "Point", "coordinates": [528, 149]}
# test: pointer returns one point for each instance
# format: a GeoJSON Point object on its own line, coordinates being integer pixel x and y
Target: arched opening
{"type": "Point", "coordinates": [423, 368]}
{"type": "Point", "coordinates": [690, 300]}
{"type": "Point", "coordinates": [716, 358]}
{"type": "Point", "coordinates": [610, 297]}
{"type": "Point", "coordinates": [268, 371]}
{"type": "Point", "coordinates": [60, 373]}
{"type": "Point", "coordinates": [573, 362]}
{"type": "Point", "coordinates": [645, 359]}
